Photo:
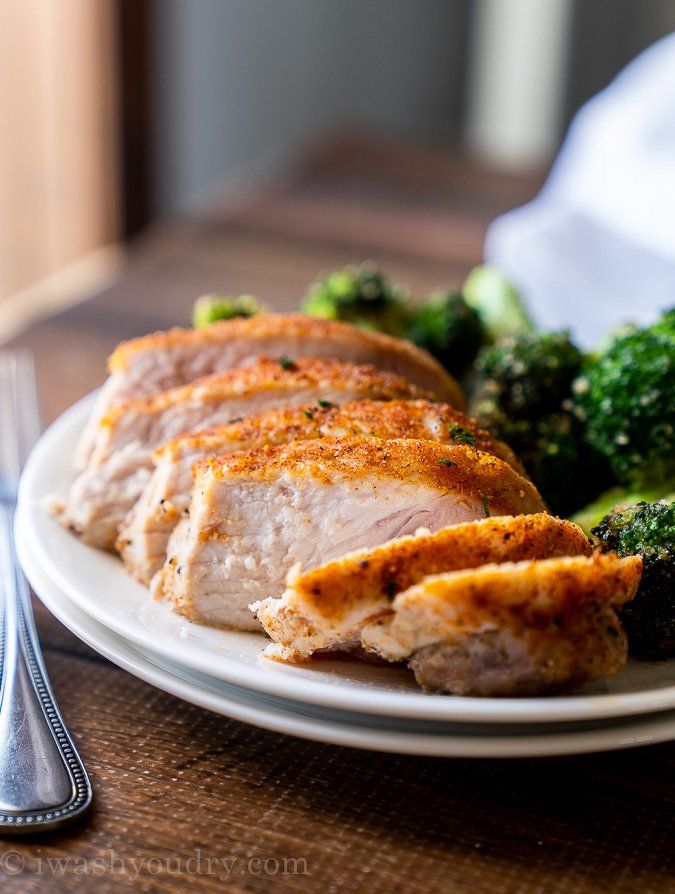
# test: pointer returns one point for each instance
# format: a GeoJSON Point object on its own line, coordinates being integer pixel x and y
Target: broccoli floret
{"type": "Point", "coordinates": [449, 329]}
{"type": "Point", "coordinates": [497, 302]}
{"type": "Point", "coordinates": [647, 530]}
{"type": "Point", "coordinates": [558, 461]}
{"type": "Point", "coordinates": [555, 456]}
{"type": "Point", "coordinates": [362, 296]}
{"type": "Point", "coordinates": [525, 376]}
{"type": "Point", "coordinates": [626, 396]}
{"type": "Point", "coordinates": [666, 323]}
{"type": "Point", "coordinates": [521, 390]}
{"type": "Point", "coordinates": [619, 498]}
{"type": "Point", "coordinates": [210, 308]}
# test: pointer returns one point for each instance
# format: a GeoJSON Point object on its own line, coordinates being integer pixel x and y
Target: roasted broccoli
{"type": "Point", "coordinates": [454, 325]}
{"type": "Point", "coordinates": [521, 390]}
{"type": "Point", "coordinates": [210, 308]}
{"type": "Point", "coordinates": [619, 498]}
{"type": "Point", "coordinates": [555, 456]}
{"type": "Point", "coordinates": [451, 325]}
{"type": "Point", "coordinates": [626, 398]}
{"type": "Point", "coordinates": [362, 296]}
{"type": "Point", "coordinates": [558, 461]}
{"type": "Point", "coordinates": [525, 376]}
{"type": "Point", "coordinates": [647, 530]}
{"type": "Point", "coordinates": [497, 302]}
{"type": "Point", "coordinates": [666, 323]}
{"type": "Point", "coordinates": [449, 329]}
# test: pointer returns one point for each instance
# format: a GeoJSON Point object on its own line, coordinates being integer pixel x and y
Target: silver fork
{"type": "Point", "coordinates": [43, 783]}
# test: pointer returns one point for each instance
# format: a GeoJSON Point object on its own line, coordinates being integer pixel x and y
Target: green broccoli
{"type": "Point", "coordinates": [555, 456]}
{"type": "Point", "coordinates": [525, 376]}
{"type": "Point", "coordinates": [666, 323]}
{"type": "Point", "coordinates": [497, 302]}
{"type": "Point", "coordinates": [647, 530]}
{"type": "Point", "coordinates": [560, 464]}
{"type": "Point", "coordinates": [620, 498]}
{"type": "Point", "coordinates": [362, 296]}
{"type": "Point", "coordinates": [211, 308]}
{"type": "Point", "coordinates": [449, 329]}
{"type": "Point", "coordinates": [626, 398]}
{"type": "Point", "coordinates": [521, 390]}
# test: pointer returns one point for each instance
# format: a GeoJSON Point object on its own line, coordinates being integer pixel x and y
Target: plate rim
{"type": "Point", "coordinates": [119, 652]}
{"type": "Point", "coordinates": [406, 704]}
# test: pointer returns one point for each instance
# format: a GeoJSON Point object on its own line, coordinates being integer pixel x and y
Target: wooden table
{"type": "Point", "coordinates": [185, 800]}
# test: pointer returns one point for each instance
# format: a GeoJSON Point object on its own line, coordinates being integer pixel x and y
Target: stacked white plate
{"type": "Point", "coordinates": [342, 701]}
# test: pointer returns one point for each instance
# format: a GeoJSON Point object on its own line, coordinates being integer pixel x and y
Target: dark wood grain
{"type": "Point", "coordinates": [186, 800]}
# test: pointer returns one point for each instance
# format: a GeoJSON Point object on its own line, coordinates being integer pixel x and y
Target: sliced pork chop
{"type": "Point", "coordinates": [511, 629]}
{"type": "Point", "coordinates": [121, 461]}
{"type": "Point", "coordinates": [254, 515]}
{"type": "Point", "coordinates": [327, 607]}
{"type": "Point", "coordinates": [166, 360]}
{"type": "Point", "coordinates": [144, 535]}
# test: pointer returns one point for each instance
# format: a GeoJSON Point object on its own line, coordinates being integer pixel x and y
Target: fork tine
{"type": "Point", "coordinates": [42, 779]}
{"type": "Point", "coordinates": [19, 413]}
{"type": "Point", "coordinates": [27, 409]}
{"type": "Point", "coordinates": [9, 455]}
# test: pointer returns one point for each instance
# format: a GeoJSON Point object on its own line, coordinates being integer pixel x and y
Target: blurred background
{"type": "Point", "coordinates": [117, 114]}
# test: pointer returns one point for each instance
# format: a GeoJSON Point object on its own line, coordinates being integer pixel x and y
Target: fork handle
{"type": "Point", "coordinates": [43, 783]}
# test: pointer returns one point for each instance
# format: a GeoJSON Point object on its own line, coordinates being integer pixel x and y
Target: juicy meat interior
{"type": "Point", "coordinates": [120, 462]}
{"type": "Point", "coordinates": [166, 360]}
{"type": "Point", "coordinates": [511, 629]}
{"type": "Point", "coordinates": [254, 515]}
{"type": "Point", "coordinates": [326, 607]}
{"type": "Point", "coordinates": [144, 535]}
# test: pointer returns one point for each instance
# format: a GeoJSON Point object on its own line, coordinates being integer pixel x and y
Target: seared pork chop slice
{"type": "Point", "coordinates": [327, 607]}
{"type": "Point", "coordinates": [165, 360]}
{"type": "Point", "coordinates": [254, 515]}
{"type": "Point", "coordinates": [121, 461]}
{"type": "Point", "coordinates": [512, 629]}
{"type": "Point", "coordinates": [145, 532]}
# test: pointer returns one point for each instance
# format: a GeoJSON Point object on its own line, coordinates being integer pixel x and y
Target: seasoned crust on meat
{"type": "Point", "coordinates": [513, 628]}
{"type": "Point", "coordinates": [269, 374]}
{"type": "Point", "coordinates": [457, 467]}
{"type": "Point", "coordinates": [119, 464]}
{"type": "Point", "coordinates": [417, 419]}
{"type": "Point", "coordinates": [253, 515]}
{"type": "Point", "coordinates": [404, 357]}
{"type": "Point", "coordinates": [166, 496]}
{"type": "Point", "coordinates": [327, 606]}
{"type": "Point", "coordinates": [167, 360]}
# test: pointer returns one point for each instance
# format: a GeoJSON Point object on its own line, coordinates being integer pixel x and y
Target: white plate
{"type": "Point", "coordinates": [353, 729]}
{"type": "Point", "coordinates": [97, 584]}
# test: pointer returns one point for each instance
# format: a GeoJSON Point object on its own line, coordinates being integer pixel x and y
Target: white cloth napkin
{"type": "Point", "coordinates": [596, 248]}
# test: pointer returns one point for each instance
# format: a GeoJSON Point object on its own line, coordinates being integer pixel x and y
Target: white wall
{"type": "Point", "coordinates": [244, 80]}
{"type": "Point", "coordinates": [517, 70]}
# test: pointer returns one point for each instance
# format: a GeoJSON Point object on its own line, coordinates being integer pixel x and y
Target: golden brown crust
{"type": "Point", "coordinates": [294, 325]}
{"type": "Point", "coordinates": [459, 469]}
{"type": "Point", "coordinates": [562, 606]}
{"type": "Point", "coordinates": [373, 575]}
{"type": "Point", "coordinates": [418, 419]}
{"type": "Point", "coordinates": [271, 374]}
{"type": "Point", "coordinates": [534, 590]}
